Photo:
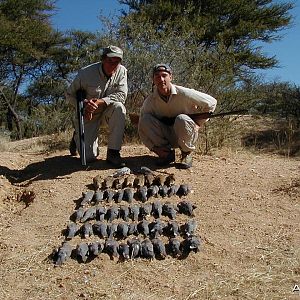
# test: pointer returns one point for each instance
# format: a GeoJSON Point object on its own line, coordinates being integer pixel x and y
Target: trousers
{"type": "Point", "coordinates": [183, 134]}
{"type": "Point", "coordinates": [113, 117]}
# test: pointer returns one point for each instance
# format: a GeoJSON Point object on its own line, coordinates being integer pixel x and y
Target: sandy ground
{"type": "Point", "coordinates": [248, 216]}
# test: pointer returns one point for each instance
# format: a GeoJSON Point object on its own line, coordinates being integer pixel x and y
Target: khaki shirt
{"type": "Point", "coordinates": [96, 85]}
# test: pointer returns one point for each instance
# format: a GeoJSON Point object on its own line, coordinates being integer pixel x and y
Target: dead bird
{"type": "Point", "coordinates": [97, 182]}
{"type": "Point", "coordinates": [145, 170]}
{"type": "Point", "coordinates": [156, 228]}
{"type": "Point", "coordinates": [62, 254]}
{"type": "Point", "coordinates": [122, 172]}
{"type": "Point", "coordinates": [128, 194]}
{"type": "Point", "coordinates": [89, 214]}
{"type": "Point", "coordinates": [100, 229]}
{"type": "Point", "coordinates": [159, 248]}
{"type": "Point", "coordinates": [173, 190]}
{"type": "Point", "coordinates": [129, 180]}
{"type": "Point", "coordinates": [142, 193]}
{"type": "Point", "coordinates": [86, 230]}
{"type": "Point", "coordinates": [132, 229]}
{"type": "Point", "coordinates": [124, 251]}
{"type": "Point", "coordinates": [119, 195]}
{"type": "Point", "coordinates": [78, 214]}
{"type": "Point", "coordinates": [149, 179]}
{"type": "Point", "coordinates": [134, 247]}
{"type": "Point", "coordinates": [143, 228]}
{"type": "Point", "coordinates": [108, 182]}
{"type": "Point", "coordinates": [159, 179]}
{"type": "Point", "coordinates": [192, 243]}
{"type": "Point", "coordinates": [72, 230]}
{"type": "Point", "coordinates": [173, 229]}
{"type": "Point", "coordinates": [82, 252]}
{"type": "Point", "coordinates": [124, 213]}
{"type": "Point", "coordinates": [101, 212]}
{"type": "Point", "coordinates": [111, 248]}
{"type": "Point", "coordinates": [156, 209]}
{"type": "Point", "coordinates": [145, 210]}
{"type": "Point", "coordinates": [174, 247]}
{"type": "Point", "coordinates": [95, 248]}
{"type": "Point", "coordinates": [112, 230]}
{"type": "Point", "coordinates": [186, 207]}
{"type": "Point", "coordinates": [122, 230]}
{"type": "Point", "coordinates": [184, 190]}
{"type": "Point", "coordinates": [98, 197]}
{"type": "Point", "coordinates": [147, 250]}
{"type": "Point", "coordinates": [112, 213]}
{"type": "Point", "coordinates": [87, 197]}
{"type": "Point", "coordinates": [139, 180]}
{"type": "Point", "coordinates": [163, 190]}
{"type": "Point", "coordinates": [134, 212]}
{"type": "Point", "coordinates": [109, 195]}
{"type": "Point", "coordinates": [152, 191]}
{"type": "Point", "coordinates": [169, 210]}
{"type": "Point", "coordinates": [170, 180]}
{"type": "Point", "coordinates": [189, 227]}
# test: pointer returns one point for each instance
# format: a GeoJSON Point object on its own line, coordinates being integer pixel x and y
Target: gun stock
{"type": "Point", "coordinates": [80, 95]}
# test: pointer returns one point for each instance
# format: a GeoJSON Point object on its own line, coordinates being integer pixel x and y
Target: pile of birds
{"type": "Point", "coordinates": [130, 215]}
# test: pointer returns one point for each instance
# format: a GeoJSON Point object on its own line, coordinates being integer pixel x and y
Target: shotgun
{"type": "Point", "coordinates": [80, 96]}
{"type": "Point", "coordinates": [196, 117]}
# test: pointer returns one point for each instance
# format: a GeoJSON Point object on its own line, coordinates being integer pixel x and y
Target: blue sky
{"type": "Point", "coordinates": [83, 15]}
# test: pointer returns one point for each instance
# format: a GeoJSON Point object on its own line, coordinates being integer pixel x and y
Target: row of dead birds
{"type": "Point", "coordinates": [142, 193]}
{"type": "Point", "coordinates": [122, 230]}
{"type": "Point", "coordinates": [134, 248]}
{"type": "Point", "coordinates": [134, 212]}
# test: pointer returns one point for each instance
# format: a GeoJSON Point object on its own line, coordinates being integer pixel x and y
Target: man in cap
{"type": "Point", "coordinates": [164, 122]}
{"type": "Point", "coordinates": [105, 88]}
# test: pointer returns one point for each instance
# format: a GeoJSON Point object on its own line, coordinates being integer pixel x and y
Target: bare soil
{"type": "Point", "coordinates": [248, 215]}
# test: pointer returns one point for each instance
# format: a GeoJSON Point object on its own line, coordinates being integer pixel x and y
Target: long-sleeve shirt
{"type": "Point", "coordinates": [181, 101]}
{"type": "Point", "coordinates": [97, 85]}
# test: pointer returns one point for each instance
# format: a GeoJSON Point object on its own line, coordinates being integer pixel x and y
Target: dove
{"type": "Point", "coordinates": [72, 230]}
{"type": "Point", "coordinates": [173, 228]}
{"type": "Point", "coordinates": [112, 230]}
{"type": "Point", "coordinates": [132, 229]}
{"type": "Point", "coordinates": [156, 228]}
{"type": "Point", "coordinates": [111, 248]}
{"type": "Point", "coordinates": [129, 180]}
{"type": "Point", "coordinates": [159, 248]}
{"type": "Point", "coordinates": [112, 213]}
{"type": "Point", "coordinates": [142, 193]}
{"type": "Point", "coordinates": [134, 212]}
{"type": "Point", "coordinates": [87, 197]}
{"type": "Point", "coordinates": [86, 230]}
{"type": "Point", "coordinates": [163, 190]}
{"type": "Point", "coordinates": [173, 190]}
{"type": "Point", "coordinates": [146, 210]}
{"type": "Point", "coordinates": [192, 243]}
{"type": "Point", "coordinates": [124, 213]}
{"type": "Point", "coordinates": [63, 253]}
{"type": "Point", "coordinates": [100, 213]}
{"type": "Point", "coordinates": [78, 214]}
{"type": "Point", "coordinates": [109, 195]}
{"type": "Point", "coordinates": [122, 230]}
{"type": "Point", "coordinates": [124, 251]}
{"type": "Point", "coordinates": [100, 229]}
{"type": "Point", "coordinates": [145, 170]}
{"type": "Point", "coordinates": [149, 179]}
{"type": "Point", "coordinates": [157, 209]}
{"type": "Point", "coordinates": [119, 196]}
{"type": "Point", "coordinates": [186, 207]}
{"type": "Point", "coordinates": [147, 250]}
{"type": "Point", "coordinates": [95, 248]}
{"type": "Point", "coordinates": [170, 180]}
{"type": "Point", "coordinates": [184, 190]}
{"type": "Point", "coordinates": [98, 197]}
{"type": "Point", "coordinates": [134, 247]}
{"type": "Point", "coordinates": [128, 194]}
{"type": "Point", "coordinates": [89, 214]}
{"type": "Point", "coordinates": [143, 227]}
{"type": "Point", "coordinates": [169, 210]}
{"type": "Point", "coordinates": [160, 179]}
{"type": "Point", "coordinates": [108, 182]}
{"type": "Point", "coordinates": [82, 252]}
{"type": "Point", "coordinates": [152, 191]}
{"type": "Point", "coordinates": [190, 227]}
{"type": "Point", "coordinates": [122, 172]}
{"type": "Point", "coordinates": [174, 247]}
{"type": "Point", "coordinates": [139, 180]}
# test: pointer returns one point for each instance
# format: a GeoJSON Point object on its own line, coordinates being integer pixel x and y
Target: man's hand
{"type": "Point", "coordinates": [91, 105]}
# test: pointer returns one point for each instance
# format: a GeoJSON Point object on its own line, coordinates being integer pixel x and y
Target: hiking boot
{"type": "Point", "coordinates": [186, 160]}
{"type": "Point", "coordinates": [113, 157]}
{"type": "Point", "coordinates": [167, 160]}
{"type": "Point", "coordinates": [73, 147]}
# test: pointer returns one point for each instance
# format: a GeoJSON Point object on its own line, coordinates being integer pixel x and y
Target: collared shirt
{"type": "Point", "coordinates": [97, 85]}
{"type": "Point", "coordinates": [181, 101]}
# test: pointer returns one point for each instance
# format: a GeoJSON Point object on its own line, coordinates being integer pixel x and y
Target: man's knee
{"type": "Point", "coordinates": [118, 108]}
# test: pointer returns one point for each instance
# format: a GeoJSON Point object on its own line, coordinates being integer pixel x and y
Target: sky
{"type": "Point", "coordinates": [83, 15]}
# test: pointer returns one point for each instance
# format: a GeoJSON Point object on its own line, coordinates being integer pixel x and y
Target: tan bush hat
{"type": "Point", "coordinates": [112, 51]}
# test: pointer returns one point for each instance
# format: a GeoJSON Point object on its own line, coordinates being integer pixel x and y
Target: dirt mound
{"type": "Point", "coordinates": [248, 211]}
